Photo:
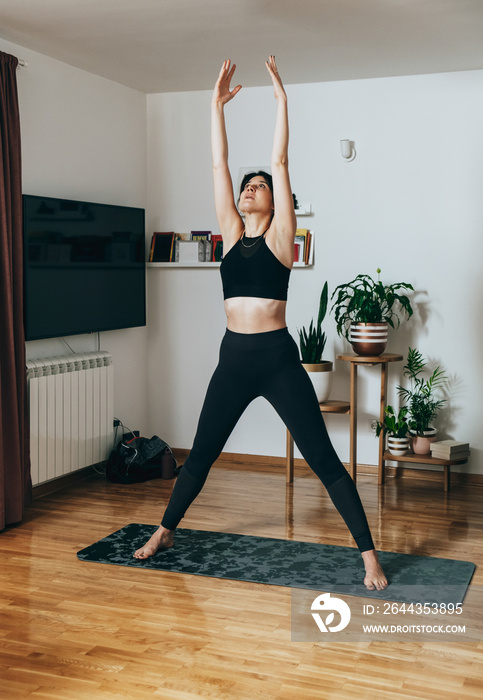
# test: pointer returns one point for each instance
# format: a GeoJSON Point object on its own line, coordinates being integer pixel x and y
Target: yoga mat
{"type": "Point", "coordinates": [320, 567]}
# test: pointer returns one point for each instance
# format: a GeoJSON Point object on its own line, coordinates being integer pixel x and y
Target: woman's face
{"type": "Point", "coordinates": [256, 196]}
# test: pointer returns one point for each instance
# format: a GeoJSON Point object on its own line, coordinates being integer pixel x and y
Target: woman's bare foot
{"type": "Point", "coordinates": [162, 539]}
{"type": "Point", "coordinates": [375, 578]}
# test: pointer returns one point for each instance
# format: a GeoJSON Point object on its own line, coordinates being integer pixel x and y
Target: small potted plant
{"type": "Point", "coordinates": [312, 345]}
{"type": "Point", "coordinates": [422, 401]}
{"type": "Point", "coordinates": [364, 309]}
{"type": "Point", "coordinates": [395, 426]}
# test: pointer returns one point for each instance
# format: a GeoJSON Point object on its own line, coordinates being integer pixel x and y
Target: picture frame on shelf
{"type": "Point", "coordinates": [162, 245]}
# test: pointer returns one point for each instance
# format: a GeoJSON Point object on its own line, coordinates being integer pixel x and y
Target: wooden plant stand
{"type": "Point", "coordinates": [350, 408]}
{"type": "Point", "coordinates": [426, 459]}
{"type": "Point", "coordinates": [342, 407]}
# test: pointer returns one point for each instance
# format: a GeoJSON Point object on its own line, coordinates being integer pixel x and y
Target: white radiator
{"type": "Point", "coordinates": [71, 413]}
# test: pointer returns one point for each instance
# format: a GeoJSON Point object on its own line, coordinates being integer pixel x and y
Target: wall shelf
{"type": "Point", "coordinates": [201, 265]}
{"type": "Point", "coordinates": [177, 264]}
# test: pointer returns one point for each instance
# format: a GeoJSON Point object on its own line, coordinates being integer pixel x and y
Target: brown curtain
{"type": "Point", "coordinates": [15, 482]}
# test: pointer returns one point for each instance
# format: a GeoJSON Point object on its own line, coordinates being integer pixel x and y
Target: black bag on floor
{"type": "Point", "coordinates": [141, 459]}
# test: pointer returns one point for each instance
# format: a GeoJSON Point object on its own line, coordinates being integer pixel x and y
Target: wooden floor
{"type": "Point", "coordinates": [74, 630]}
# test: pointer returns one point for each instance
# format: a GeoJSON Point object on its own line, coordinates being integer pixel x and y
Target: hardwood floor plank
{"type": "Point", "coordinates": [12, 689]}
{"type": "Point", "coordinates": [74, 630]}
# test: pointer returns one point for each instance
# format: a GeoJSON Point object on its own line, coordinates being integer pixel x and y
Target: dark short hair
{"type": "Point", "coordinates": [261, 173]}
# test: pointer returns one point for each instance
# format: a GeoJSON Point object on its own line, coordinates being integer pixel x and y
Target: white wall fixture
{"type": "Point", "coordinates": [303, 209]}
{"type": "Point", "coordinates": [347, 150]}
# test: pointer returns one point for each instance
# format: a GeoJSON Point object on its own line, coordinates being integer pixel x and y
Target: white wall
{"type": "Point", "coordinates": [84, 137]}
{"type": "Point", "coordinates": [410, 204]}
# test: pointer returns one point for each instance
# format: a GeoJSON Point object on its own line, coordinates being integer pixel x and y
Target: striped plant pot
{"type": "Point", "coordinates": [398, 446]}
{"type": "Point", "coordinates": [321, 377]}
{"type": "Point", "coordinates": [368, 339]}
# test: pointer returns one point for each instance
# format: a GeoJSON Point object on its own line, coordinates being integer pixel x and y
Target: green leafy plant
{"type": "Point", "coordinates": [421, 397]}
{"type": "Point", "coordinates": [394, 424]}
{"type": "Point", "coordinates": [365, 301]}
{"type": "Point", "coordinates": [313, 340]}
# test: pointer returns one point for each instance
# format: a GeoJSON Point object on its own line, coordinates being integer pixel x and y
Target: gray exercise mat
{"type": "Point", "coordinates": [321, 567]}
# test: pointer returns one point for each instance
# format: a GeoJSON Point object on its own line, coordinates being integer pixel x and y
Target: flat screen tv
{"type": "Point", "coordinates": [84, 267]}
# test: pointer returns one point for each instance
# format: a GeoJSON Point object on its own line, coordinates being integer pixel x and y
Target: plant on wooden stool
{"type": "Point", "coordinates": [313, 340]}
{"type": "Point", "coordinates": [422, 401]}
{"type": "Point", "coordinates": [421, 397]}
{"type": "Point", "coordinates": [396, 428]}
{"type": "Point", "coordinates": [394, 424]}
{"type": "Point", "coordinates": [312, 345]}
{"type": "Point", "coordinates": [361, 304]}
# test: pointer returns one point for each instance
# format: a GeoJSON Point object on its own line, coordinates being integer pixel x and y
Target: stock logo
{"type": "Point", "coordinates": [326, 604]}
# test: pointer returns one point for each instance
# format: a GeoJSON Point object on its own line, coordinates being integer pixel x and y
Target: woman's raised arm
{"type": "Point", "coordinates": [229, 220]}
{"type": "Point", "coordinates": [285, 220]}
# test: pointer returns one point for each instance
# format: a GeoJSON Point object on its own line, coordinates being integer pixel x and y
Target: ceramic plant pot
{"type": "Point", "coordinates": [321, 376]}
{"type": "Point", "coordinates": [368, 339]}
{"type": "Point", "coordinates": [398, 446]}
{"type": "Point", "coordinates": [421, 444]}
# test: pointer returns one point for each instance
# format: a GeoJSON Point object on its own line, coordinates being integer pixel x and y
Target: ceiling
{"type": "Point", "coordinates": [179, 45]}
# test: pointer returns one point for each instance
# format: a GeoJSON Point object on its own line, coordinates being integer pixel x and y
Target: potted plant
{"type": "Point", "coordinates": [422, 401]}
{"type": "Point", "coordinates": [312, 345]}
{"type": "Point", "coordinates": [364, 309]}
{"type": "Point", "coordinates": [395, 426]}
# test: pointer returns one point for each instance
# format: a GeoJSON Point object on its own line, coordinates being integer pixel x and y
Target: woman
{"type": "Point", "coordinates": [258, 357]}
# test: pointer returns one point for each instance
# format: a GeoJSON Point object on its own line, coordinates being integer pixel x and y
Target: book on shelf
{"type": "Point", "coordinates": [190, 251]}
{"type": "Point", "coordinates": [301, 238]}
{"type": "Point", "coordinates": [307, 247]}
{"type": "Point", "coordinates": [162, 247]}
{"type": "Point", "coordinates": [299, 249]}
{"type": "Point", "coordinates": [303, 247]}
{"type": "Point", "coordinates": [178, 237]}
{"type": "Point", "coordinates": [310, 253]}
{"type": "Point", "coordinates": [302, 232]}
{"type": "Point", "coordinates": [450, 449]}
{"type": "Point", "coordinates": [217, 247]}
{"type": "Point", "coordinates": [456, 455]}
{"type": "Point", "coordinates": [208, 247]}
{"type": "Point", "coordinates": [450, 445]}
{"type": "Point", "coordinates": [200, 235]}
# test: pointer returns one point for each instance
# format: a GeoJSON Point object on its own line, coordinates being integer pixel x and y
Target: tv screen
{"type": "Point", "coordinates": [84, 267]}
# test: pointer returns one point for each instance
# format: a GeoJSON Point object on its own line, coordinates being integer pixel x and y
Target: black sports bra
{"type": "Point", "coordinates": [253, 271]}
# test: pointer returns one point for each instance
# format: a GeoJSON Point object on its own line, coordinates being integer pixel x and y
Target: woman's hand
{"type": "Point", "coordinates": [222, 93]}
{"type": "Point", "coordinates": [276, 79]}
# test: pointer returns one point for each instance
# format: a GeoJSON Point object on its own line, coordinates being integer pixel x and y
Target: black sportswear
{"type": "Point", "coordinates": [268, 365]}
{"type": "Point", "coordinates": [252, 270]}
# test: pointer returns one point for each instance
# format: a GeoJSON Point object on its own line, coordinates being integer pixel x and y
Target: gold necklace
{"type": "Point", "coordinates": [259, 238]}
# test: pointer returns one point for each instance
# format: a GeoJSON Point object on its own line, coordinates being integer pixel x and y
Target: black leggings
{"type": "Point", "coordinates": [266, 364]}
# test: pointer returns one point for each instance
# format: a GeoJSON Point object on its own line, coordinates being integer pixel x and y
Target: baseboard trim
{"type": "Point", "coordinates": [269, 463]}
{"type": "Point", "coordinates": [62, 482]}
{"type": "Point", "coordinates": [235, 459]}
